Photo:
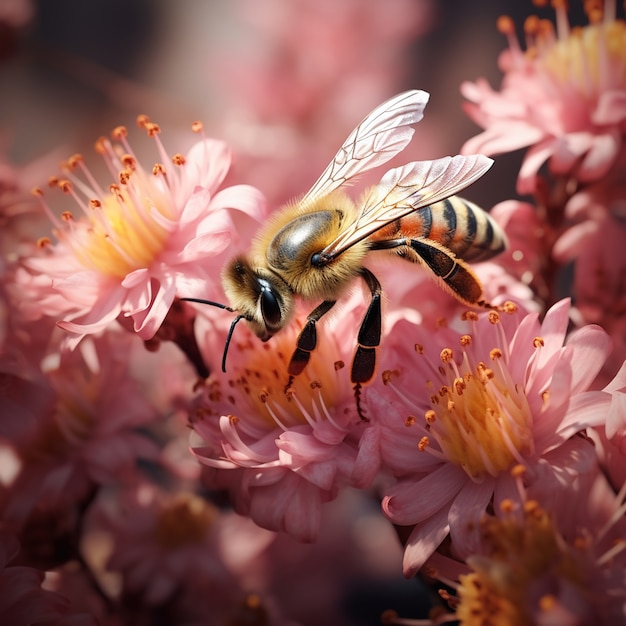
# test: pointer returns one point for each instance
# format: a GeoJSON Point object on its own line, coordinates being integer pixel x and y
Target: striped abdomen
{"type": "Point", "coordinates": [459, 225]}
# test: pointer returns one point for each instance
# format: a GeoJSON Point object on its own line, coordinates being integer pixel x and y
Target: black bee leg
{"type": "Point", "coordinates": [364, 362]}
{"type": "Point", "coordinates": [455, 273]}
{"type": "Point", "coordinates": [307, 341]}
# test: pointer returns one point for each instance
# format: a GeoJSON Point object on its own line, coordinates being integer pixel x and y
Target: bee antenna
{"type": "Point", "coordinates": [219, 305]}
{"type": "Point", "coordinates": [228, 338]}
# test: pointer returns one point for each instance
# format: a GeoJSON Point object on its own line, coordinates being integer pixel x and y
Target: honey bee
{"type": "Point", "coordinates": [313, 248]}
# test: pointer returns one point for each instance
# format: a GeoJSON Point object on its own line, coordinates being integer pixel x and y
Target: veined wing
{"type": "Point", "coordinates": [380, 136]}
{"type": "Point", "coordinates": [406, 189]}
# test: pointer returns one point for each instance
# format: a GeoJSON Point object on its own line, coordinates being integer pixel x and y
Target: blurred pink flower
{"type": "Point", "coordinates": [23, 601]}
{"type": "Point", "coordinates": [281, 455]}
{"type": "Point", "coordinates": [528, 571]}
{"type": "Point", "coordinates": [594, 243]}
{"type": "Point", "coordinates": [460, 408]}
{"type": "Point", "coordinates": [70, 427]}
{"type": "Point", "coordinates": [564, 97]}
{"type": "Point", "coordinates": [150, 236]}
{"type": "Point", "coordinates": [164, 544]}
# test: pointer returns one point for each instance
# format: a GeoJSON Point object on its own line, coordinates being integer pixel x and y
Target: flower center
{"type": "Point", "coordinates": [519, 550]}
{"type": "Point", "coordinates": [258, 385]}
{"type": "Point", "coordinates": [590, 59]}
{"type": "Point", "coordinates": [480, 418]}
{"type": "Point", "coordinates": [122, 234]}
{"type": "Point", "coordinates": [184, 521]}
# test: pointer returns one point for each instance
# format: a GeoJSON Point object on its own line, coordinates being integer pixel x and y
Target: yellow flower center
{"type": "Point", "coordinates": [590, 59]}
{"type": "Point", "coordinates": [122, 234]}
{"type": "Point", "coordinates": [266, 387]}
{"type": "Point", "coordinates": [520, 549]}
{"type": "Point", "coordinates": [183, 521]}
{"type": "Point", "coordinates": [480, 418]}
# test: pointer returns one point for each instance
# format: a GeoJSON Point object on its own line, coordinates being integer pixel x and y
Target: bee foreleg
{"type": "Point", "coordinates": [307, 341]}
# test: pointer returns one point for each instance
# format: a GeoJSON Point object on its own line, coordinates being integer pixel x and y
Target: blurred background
{"type": "Point", "coordinates": [282, 81]}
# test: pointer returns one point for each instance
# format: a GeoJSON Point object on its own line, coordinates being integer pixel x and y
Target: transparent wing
{"type": "Point", "coordinates": [407, 189]}
{"type": "Point", "coordinates": [380, 136]}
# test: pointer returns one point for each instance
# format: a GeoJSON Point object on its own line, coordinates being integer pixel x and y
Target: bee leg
{"type": "Point", "coordinates": [456, 274]}
{"type": "Point", "coordinates": [364, 361]}
{"type": "Point", "coordinates": [307, 341]}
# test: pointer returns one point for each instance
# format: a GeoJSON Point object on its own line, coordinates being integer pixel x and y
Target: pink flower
{"type": "Point", "coordinates": [23, 601]}
{"type": "Point", "coordinates": [594, 243]}
{"type": "Point", "coordinates": [150, 236]}
{"type": "Point", "coordinates": [281, 455]}
{"type": "Point", "coordinates": [528, 571]}
{"type": "Point", "coordinates": [460, 408]}
{"type": "Point", "coordinates": [71, 427]}
{"type": "Point", "coordinates": [564, 97]}
{"type": "Point", "coordinates": [167, 544]}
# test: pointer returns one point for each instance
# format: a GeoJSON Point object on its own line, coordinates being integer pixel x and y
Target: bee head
{"type": "Point", "coordinates": [261, 297]}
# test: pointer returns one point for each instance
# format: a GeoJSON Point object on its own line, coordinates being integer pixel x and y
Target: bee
{"type": "Point", "coordinates": [314, 248]}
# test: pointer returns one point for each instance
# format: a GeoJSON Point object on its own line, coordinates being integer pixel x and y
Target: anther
{"type": "Point", "coordinates": [36, 191]}
{"type": "Point", "coordinates": [158, 169]}
{"type": "Point", "coordinates": [66, 216]}
{"type": "Point", "coordinates": [423, 443]}
{"type": "Point", "coordinates": [409, 420]}
{"type": "Point", "coordinates": [74, 161]}
{"type": "Point", "coordinates": [233, 419]}
{"type": "Point", "coordinates": [142, 120]}
{"type": "Point", "coordinates": [315, 384]}
{"type": "Point", "coordinates": [100, 145]}
{"type": "Point", "coordinates": [178, 159]}
{"type": "Point", "coordinates": [419, 348]}
{"type": "Point", "coordinates": [507, 505]}
{"type": "Point", "coordinates": [469, 316]}
{"type": "Point", "coordinates": [65, 186]}
{"type": "Point", "coordinates": [129, 162]}
{"type": "Point", "coordinates": [387, 375]}
{"type": "Point", "coordinates": [496, 353]}
{"type": "Point", "coordinates": [446, 355]}
{"type": "Point", "coordinates": [42, 242]}
{"type": "Point", "coordinates": [518, 470]}
{"type": "Point", "coordinates": [95, 203]}
{"type": "Point", "coordinates": [263, 395]}
{"type": "Point", "coordinates": [124, 177]}
{"type": "Point", "coordinates": [339, 365]}
{"type": "Point", "coordinates": [430, 416]}
{"type": "Point", "coordinates": [538, 342]}
{"type": "Point", "coordinates": [505, 25]}
{"type": "Point", "coordinates": [509, 307]}
{"type": "Point", "coordinates": [197, 127]}
{"type": "Point", "coordinates": [466, 340]}
{"type": "Point", "coordinates": [152, 129]}
{"type": "Point", "coordinates": [119, 132]}
{"type": "Point", "coordinates": [493, 317]}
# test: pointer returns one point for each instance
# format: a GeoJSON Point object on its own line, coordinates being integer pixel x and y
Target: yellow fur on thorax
{"type": "Point", "coordinates": [310, 282]}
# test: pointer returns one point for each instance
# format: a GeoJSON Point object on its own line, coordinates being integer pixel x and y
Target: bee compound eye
{"type": "Point", "coordinates": [270, 304]}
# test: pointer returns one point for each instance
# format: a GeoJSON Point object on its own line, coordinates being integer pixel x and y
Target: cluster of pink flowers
{"type": "Point", "coordinates": [141, 483]}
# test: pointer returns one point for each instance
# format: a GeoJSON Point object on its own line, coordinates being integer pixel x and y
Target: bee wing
{"type": "Point", "coordinates": [407, 189]}
{"type": "Point", "coordinates": [380, 136]}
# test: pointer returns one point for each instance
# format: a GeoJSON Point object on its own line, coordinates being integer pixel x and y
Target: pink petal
{"type": "Point", "coordinates": [587, 350]}
{"type": "Point", "coordinates": [611, 108]}
{"type": "Point", "coordinates": [412, 501]}
{"type": "Point", "coordinates": [600, 157]}
{"type": "Point", "coordinates": [243, 198]}
{"type": "Point", "coordinates": [147, 327]}
{"type": "Point", "coordinates": [534, 159]}
{"type": "Point", "coordinates": [423, 541]}
{"type": "Point", "coordinates": [468, 508]}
